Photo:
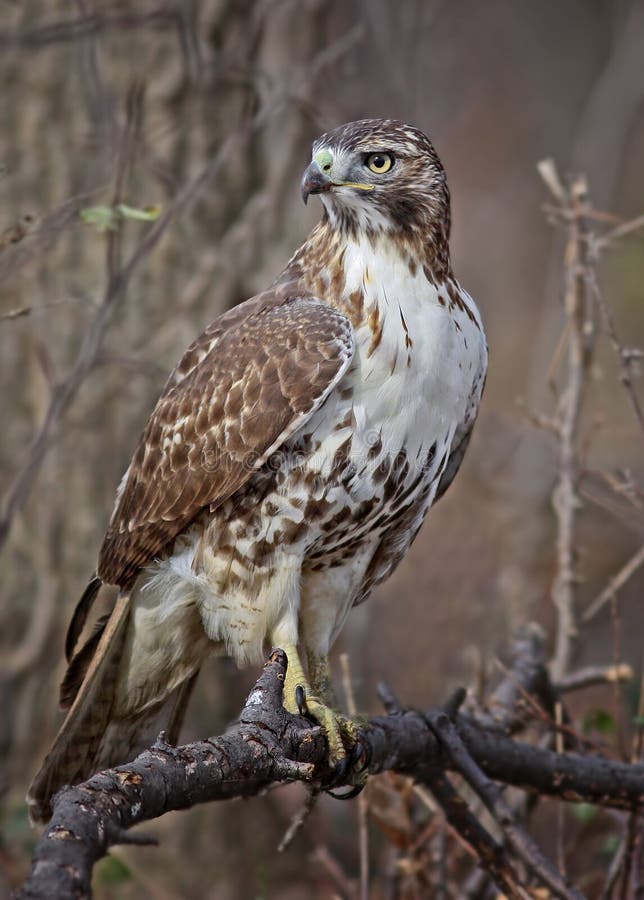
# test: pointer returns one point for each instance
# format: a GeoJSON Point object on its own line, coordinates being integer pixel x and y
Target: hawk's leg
{"type": "Point", "coordinates": [320, 676]}
{"type": "Point", "coordinates": [317, 696]}
{"type": "Point", "coordinates": [322, 684]}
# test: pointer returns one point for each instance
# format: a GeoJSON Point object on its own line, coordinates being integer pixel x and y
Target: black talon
{"type": "Point", "coordinates": [338, 775]}
{"type": "Point", "coordinates": [350, 794]}
{"type": "Point", "coordinates": [300, 700]}
{"type": "Point", "coordinates": [341, 770]}
{"type": "Point", "coordinates": [360, 756]}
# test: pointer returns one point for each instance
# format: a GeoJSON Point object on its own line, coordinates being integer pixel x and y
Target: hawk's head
{"type": "Point", "coordinates": [379, 175]}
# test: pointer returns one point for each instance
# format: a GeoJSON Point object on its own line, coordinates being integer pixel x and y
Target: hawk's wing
{"type": "Point", "coordinates": [242, 389]}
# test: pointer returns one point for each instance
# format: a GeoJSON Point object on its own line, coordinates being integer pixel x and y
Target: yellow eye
{"type": "Point", "coordinates": [379, 162]}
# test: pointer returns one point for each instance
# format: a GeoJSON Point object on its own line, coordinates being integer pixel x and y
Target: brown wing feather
{"type": "Point", "coordinates": [81, 613]}
{"type": "Point", "coordinates": [242, 389]}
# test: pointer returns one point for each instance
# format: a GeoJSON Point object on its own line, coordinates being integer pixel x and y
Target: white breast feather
{"type": "Point", "coordinates": [418, 404]}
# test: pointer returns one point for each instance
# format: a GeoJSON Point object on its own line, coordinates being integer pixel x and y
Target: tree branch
{"type": "Point", "coordinates": [268, 745]}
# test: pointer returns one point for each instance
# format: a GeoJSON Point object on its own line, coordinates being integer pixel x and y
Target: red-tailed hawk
{"type": "Point", "coordinates": [290, 460]}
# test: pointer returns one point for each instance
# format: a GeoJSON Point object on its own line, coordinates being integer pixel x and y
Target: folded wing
{"type": "Point", "coordinates": [242, 389]}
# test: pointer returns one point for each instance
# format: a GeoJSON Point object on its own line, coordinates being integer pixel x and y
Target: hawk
{"type": "Point", "coordinates": [289, 462]}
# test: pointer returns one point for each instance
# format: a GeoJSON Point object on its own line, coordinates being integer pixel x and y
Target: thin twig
{"type": "Point", "coordinates": [559, 745]}
{"type": "Point", "coordinates": [619, 232]}
{"type": "Point", "coordinates": [618, 580]}
{"type": "Point", "coordinates": [546, 713]}
{"type": "Point", "coordinates": [626, 357]}
{"type": "Point", "coordinates": [520, 840]}
{"type": "Point", "coordinates": [592, 675]}
{"type": "Point", "coordinates": [298, 820]}
{"type": "Point", "coordinates": [363, 803]}
{"type": "Point", "coordinates": [22, 311]}
{"type": "Point", "coordinates": [329, 863]}
{"type": "Point", "coordinates": [492, 856]}
{"type": "Point", "coordinates": [441, 887]}
{"type": "Point", "coordinates": [618, 711]}
{"type": "Point", "coordinates": [615, 867]}
{"type": "Point", "coordinates": [631, 839]}
{"type": "Point", "coordinates": [626, 857]}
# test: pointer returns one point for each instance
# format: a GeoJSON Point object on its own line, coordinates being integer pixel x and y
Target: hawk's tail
{"type": "Point", "coordinates": [91, 737]}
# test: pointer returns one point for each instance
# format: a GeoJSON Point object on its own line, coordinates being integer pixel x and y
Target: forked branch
{"type": "Point", "coordinates": [268, 745]}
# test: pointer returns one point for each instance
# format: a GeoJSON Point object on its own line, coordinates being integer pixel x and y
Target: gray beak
{"type": "Point", "coordinates": [315, 182]}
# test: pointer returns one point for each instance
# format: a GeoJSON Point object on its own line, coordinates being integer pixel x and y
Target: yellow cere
{"type": "Point", "coordinates": [324, 159]}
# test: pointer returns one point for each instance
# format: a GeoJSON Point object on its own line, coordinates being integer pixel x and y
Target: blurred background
{"type": "Point", "coordinates": [237, 90]}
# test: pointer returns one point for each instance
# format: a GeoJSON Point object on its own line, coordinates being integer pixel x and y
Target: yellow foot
{"type": "Point", "coordinates": [300, 697]}
{"type": "Point", "coordinates": [333, 723]}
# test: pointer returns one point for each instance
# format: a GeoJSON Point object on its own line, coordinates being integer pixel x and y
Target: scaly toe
{"type": "Point", "coordinates": [332, 724]}
{"type": "Point", "coordinates": [347, 754]}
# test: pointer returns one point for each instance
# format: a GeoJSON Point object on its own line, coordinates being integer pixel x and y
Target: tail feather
{"type": "Point", "coordinates": [180, 701]}
{"type": "Point", "coordinates": [116, 707]}
{"type": "Point", "coordinates": [80, 663]}
{"type": "Point", "coordinates": [125, 738]}
{"type": "Point", "coordinates": [77, 743]}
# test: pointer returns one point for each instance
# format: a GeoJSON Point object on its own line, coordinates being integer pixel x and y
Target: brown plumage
{"type": "Point", "coordinates": [290, 459]}
{"type": "Point", "coordinates": [242, 388]}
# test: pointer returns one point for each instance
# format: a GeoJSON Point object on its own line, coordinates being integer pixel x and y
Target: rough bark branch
{"type": "Point", "coordinates": [512, 703]}
{"type": "Point", "coordinates": [268, 745]}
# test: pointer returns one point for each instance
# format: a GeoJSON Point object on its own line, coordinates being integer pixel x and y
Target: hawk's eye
{"type": "Point", "coordinates": [379, 162]}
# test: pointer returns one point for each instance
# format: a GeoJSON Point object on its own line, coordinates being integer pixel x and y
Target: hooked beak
{"type": "Point", "coordinates": [315, 182]}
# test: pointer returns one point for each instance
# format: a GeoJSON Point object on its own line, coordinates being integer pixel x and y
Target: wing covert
{"type": "Point", "coordinates": [242, 389]}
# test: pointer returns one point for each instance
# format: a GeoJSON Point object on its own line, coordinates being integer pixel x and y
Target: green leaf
{"type": "Point", "coordinates": [106, 218]}
{"type": "Point", "coordinates": [585, 812]}
{"type": "Point", "coordinates": [103, 218]}
{"type": "Point", "coordinates": [610, 844]}
{"type": "Point", "coordinates": [146, 214]}
{"type": "Point", "coordinates": [113, 870]}
{"type": "Point", "coordinates": [599, 720]}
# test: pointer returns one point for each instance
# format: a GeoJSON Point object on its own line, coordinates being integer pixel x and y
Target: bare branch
{"type": "Point", "coordinates": [592, 675]}
{"type": "Point", "coordinates": [268, 745]}
{"type": "Point", "coordinates": [626, 356]}
{"type": "Point", "coordinates": [620, 231]}
{"type": "Point", "coordinates": [580, 347]}
{"type": "Point", "coordinates": [618, 581]}
{"type": "Point", "coordinates": [527, 678]}
{"type": "Point", "coordinates": [493, 858]}
{"type": "Point", "coordinates": [521, 842]}
{"type": "Point", "coordinates": [363, 830]}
